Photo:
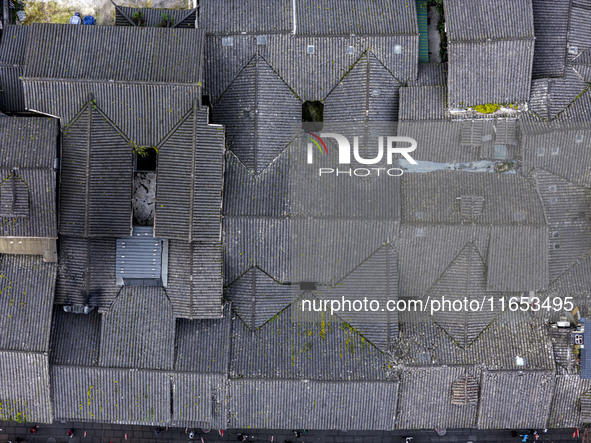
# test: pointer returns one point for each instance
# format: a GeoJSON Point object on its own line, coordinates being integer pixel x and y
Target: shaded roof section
{"type": "Point", "coordinates": [12, 61]}
{"type": "Point", "coordinates": [435, 197]}
{"type": "Point", "coordinates": [491, 49]}
{"type": "Point", "coordinates": [180, 18]}
{"type": "Point", "coordinates": [138, 330]}
{"type": "Point", "coordinates": [86, 276]}
{"type": "Point", "coordinates": [566, 404]}
{"type": "Point", "coordinates": [57, 52]}
{"type": "Point", "coordinates": [75, 338]}
{"type": "Point", "coordinates": [190, 180]}
{"type": "Point", "coordinates": [96, 177]}
{"type": "Point", "coordinates": [551, 30]}
{"type": "Point", "coordinates": [28, 149]}
{"type": "Point", "coordinates": [26, 298]}
{"type": "Point", "coordinates": [423, 103]}
{"type": "Point", "coordinates": [313, 405]}
{"type": "Point", "coordinates": [239, 16]}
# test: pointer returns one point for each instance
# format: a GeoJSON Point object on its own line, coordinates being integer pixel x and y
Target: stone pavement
{"type": "Point", "coordinates": [106, 433]}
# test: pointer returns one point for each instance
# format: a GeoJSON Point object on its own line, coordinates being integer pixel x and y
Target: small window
{"type": "Point", "coordinates": [310, 49]}
{"type": "Point", "coordinates": [227, 41]}
{"type": "Point", "coordinates": [579, 138]}
{"type": "Point", "coordinates": [312, 116]}
{"type": "Point", "coordinates": [420, 215]}
{"type": "Point", "coordinates": [556, 246]}
{"type": "Point", "coordinates": [555, 234]}
{"type": "Point", "coordinates": [555, 150]}
{"type": "Point", "coordinates": [397, 49]}
{"type": "Point", "coordinates": [541, 152]}
{"type": "Point", "coordinates": [375, 93]}
{"type": "Point", "coordinates": [554, 200]}
{"type": "Point", "coordinates": [307, 286]}
{"type": "Point", "coordinates": [261, 40]}
{"type": "Point", "coordinates": [420, 232]}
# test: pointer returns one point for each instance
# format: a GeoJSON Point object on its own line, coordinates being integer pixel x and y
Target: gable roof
{"type": "Point", "coordinates": [12, 61]}
{"type": "Point", "coordinates": [551, 30]}
{"type": "Point", "coordinates": [491, 49]}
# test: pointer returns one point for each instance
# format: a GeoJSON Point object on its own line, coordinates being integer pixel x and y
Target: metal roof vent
{"type": "Point", "coordinates": [261, 40]}
{"type": "Point", "coordinates": [420, 232]}
{"type": "Point", "coordinates": [310, 49]}
{"type": "Point", "coordinates": [552, 188]}
{"type": "Point", "coordinates": [227, 41]}
{"type": "Point", "coordinates": [397, 49]}
{"type": "Point", "coordinates": [471, 207]}
{"type": "Point", "coordinates": [518, 216]}
{"type": "Point", "coordinates": [555, 150]}
{"type": "Point", "coordinates": [540, 152]}
{"type": "Point", "coordinates": [579, 138]}
{"type": "Point", "coordinates": [350, 50]}
{"type": "Point", "coordinates": [574, 50]}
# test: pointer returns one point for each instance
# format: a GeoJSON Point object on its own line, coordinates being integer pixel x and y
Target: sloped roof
{"type": "Point", "coordinates": [12, 60]}
{"type": "Point", "coordinates": [491, 49]}
{"type": "Point", "coordinates": [429, 198]}
{"type": "Point", "coordinates": [257, 111]}
{"type": "Point", "coordinates": [28, 149]}
{"type": "Point", "coordinates": [551, 31]}
{"type": "Point", "coordinates": [24, 390]}
{"type": "Point", "coordinates": [75, 338]}
{"type": "Point", "coordinates": [313, 404]}
{"type": "Point", "coordinates": [566, 411]}
{"type": "Point", "coordinates": [426, 398]}
{"type": "Point", "coordinates": [239, 16]}
{"type": "Point", "coordinates": [423, 103]}
{"type": "Point", "coordinates": [111, 395]}
{"type": "Point", "coordinates": [138, 330]}
{"type": "Point", "coordinates": [190, 159]}
{"type": "Point", "coordinates": [26, 298]}
{"type": "Point", "coordinates": [96, 177]}
{"type": "Point", "coordinates": [515, 400]}
{"type": "Point", "coordinates": [199, 400]}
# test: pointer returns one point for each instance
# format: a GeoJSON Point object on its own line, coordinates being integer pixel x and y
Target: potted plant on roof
{"type": "Point", "coordinates": [165, 22]}
{"type": "Point", "coordinates": [138, 18]}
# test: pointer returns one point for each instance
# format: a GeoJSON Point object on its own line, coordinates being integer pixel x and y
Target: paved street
{"type": "Point", "coordinates": [95, 433]}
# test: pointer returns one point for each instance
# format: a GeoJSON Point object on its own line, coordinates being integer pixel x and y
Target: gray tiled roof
{"type": "Point", "coordinates": [180, 18]}
{"type": "Point", "coordinates": [490, 51]}
{"type": "Point", "coordinates": [190, 158]}
{"type": "Point", "coordinates": [346, 17]}
{"type": "Point", "coordinates": [551, 30]}
{"type": "Point", "coordinates": [24, 390]}
{"type": "Point", "coordinates": [515, 399]}
{"type": "Point", "coordinates": [313, 404]}
{"type": "Point", "coordinates": [565, 411]}
{"type": "Point", "coordinates": [138, 331]}
{"type": "Point", "coordinates": [425, 398]}
{"type": "Point", "coordinates": [200, 400]}
{"type": "Point", "coordinates": [238, 16]}
{"type": "Point", "coordinates": [86, 275]}
{"type": "Point", "coordinates": [203, 345]}
{"type": "Point", "coordinates": [257, 111]}
{"type": "Point", "coordinates": [433, 198]}
{"type": "Point", "coordinates": [296, 346]}
{"type": "Point", "coordinates": [75, 338]}
{"type": "Point", "coordinates": [28, 148]}
{"type": "Point", "coordinates": [195, 279]}
{"type": "Point", "coordinates": [12, 59]}
{"type": "Point", "coordinates": [256, 297]}
{"type": "Point", "coordinates": [26, 298]}
{"type": "Point", "coordinates": [566, 207]}
{"type": "Point", "coordinates": [96, 177]}
{"type": "Point", "coordinates": [423, 103]}
{"type": "Point", "coordinates": [111, 395]}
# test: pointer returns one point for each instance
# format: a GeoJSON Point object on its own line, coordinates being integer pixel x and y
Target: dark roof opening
{"type": "Point", "coordinates": [312, 116]}
{"type": "Point", "coordinates": [146, 160]}
{"type": "Point", "coordinates": [307, 286]}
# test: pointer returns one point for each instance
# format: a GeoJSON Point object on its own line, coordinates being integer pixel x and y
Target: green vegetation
{"type": "Point", "coordinates": [138, 18]}
{"type": "Point", "coordinates": [166, 21]}
{"type": "Point", "coordinates": [47, 12]}
{"type": "Point", "coordinates": [487, 108]}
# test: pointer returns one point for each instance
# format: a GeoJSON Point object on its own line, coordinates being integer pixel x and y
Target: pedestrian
{"type": "Point", "coordinates": [33, 429]}
{"type": "Point", "coordinates": [191, 435]}
{"type": "Point", "coordinates": [76, 19]}
{"type": "Point", "coordinates": [88, 20]}
{"type": "Point", "coordinates": [71, 433]}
